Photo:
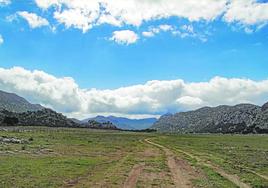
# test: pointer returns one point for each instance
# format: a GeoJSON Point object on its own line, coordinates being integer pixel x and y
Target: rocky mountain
{"type": "Point", "coordinates": [125, 123]}
{"type": "Point", "coordinates": [242, 118]}
{"type": "Point", "coordinates": [15, 103]}
{"type": "Point", "coordinates": [48, 118]}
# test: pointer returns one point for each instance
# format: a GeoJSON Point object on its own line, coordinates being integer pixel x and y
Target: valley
{"type": "Point", "coordinates": [75, 157]}
{"type": "Point", "coordinates": [133, 94]}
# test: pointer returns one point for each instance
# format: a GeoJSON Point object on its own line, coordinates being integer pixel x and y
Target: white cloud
{"type": "Point", "coordinates": [247, 12]}
{"type": "Point", "coordinates": [157, 29]}
{"type": "Point", "coordinates": [132, 12]}
{"type": "Point", "coordinates": [33, 20]}
{"type": "Point", "coordinates": [108, 19]}
{"type": "Point", "coordinates": [124, 37]}
{"type": "Point", "coordinates": [182, 31]}
{"type": "Point", "coordinates": [166, 27]}
{"type": "Point", "coordinates": [188, 28]}
{"type": "Point", "coordinates": [4, 2]}
{"type": "Point", "coordinates": [83, 14]}
{"type": "Point", "coordinates": [153, 97]}
{"type": "Point", "coordinates": [1, 40]}
{"type": "Point", "coordinates": [75, 18]}
{"type": "Point", "coordinates": [148, 33]}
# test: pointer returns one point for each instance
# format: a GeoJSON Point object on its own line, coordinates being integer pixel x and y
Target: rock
{"type": "Point", "coordinates": [13, 140]}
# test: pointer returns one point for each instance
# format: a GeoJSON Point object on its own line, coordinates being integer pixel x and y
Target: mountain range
{"type": "Point", "coordinates": [15, 110]}
{"type": "Point", "coordinates": [242, 118]}
{"type": "Point", "coordinates": [125, 123]}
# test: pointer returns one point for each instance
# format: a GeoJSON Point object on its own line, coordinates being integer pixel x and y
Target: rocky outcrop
{"type": "Point", "coordinates": [242, 118]}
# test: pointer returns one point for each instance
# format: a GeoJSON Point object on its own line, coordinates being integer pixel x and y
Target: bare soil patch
{"type": "Point", "coordinates": [182, 173]}
{"type": "Point", "coordinates": [133, 176]}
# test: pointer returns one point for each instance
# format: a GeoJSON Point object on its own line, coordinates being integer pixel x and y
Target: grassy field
{"type": "Point", "coordinates": [243, 155]}
{"type": "Point", "coordinates": [57, 157]}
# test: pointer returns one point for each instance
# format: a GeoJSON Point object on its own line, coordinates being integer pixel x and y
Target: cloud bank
{"type": "Point", "coordinates": [84, 14]}
{"type": "Point", "coordinates": [152, 98]}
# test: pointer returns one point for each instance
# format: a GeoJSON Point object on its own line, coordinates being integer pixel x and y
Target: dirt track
{"type": "Point", "coordinates": [133, 176]}
{"type": "Point", "coordinates": [179, 177]}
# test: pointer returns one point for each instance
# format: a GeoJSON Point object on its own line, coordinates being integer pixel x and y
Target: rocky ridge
{"type": "Point", "coordinates": [242, 118]}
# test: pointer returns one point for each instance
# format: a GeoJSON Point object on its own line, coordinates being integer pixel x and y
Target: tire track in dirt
{"type": "Point", "coordinates": [179, 176]}
{"type": "Point", "coordinates": [233, 178]}
{"type": "Point", "coordinates": [257, 174]}
{"type": "Point", "coordinates": [239, 166]}
{"type": "Point", "coordinates": [133, 176]}
{"type": "Point", "coordinates": [253, 172]}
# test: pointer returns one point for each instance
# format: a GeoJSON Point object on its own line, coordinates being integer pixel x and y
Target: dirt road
{"type": "Point", "coordinates": [180, 177]}
{"type": "Point", "coordinates": [133, 176]}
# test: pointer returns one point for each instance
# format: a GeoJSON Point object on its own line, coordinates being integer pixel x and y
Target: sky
{"type": "Point", "coordinates": [134, 58]}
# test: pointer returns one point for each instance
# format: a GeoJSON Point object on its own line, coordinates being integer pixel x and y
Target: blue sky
{"type": "Point", "coordinates": [192, 48]}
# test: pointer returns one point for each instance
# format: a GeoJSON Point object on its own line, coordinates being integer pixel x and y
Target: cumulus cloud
{"type": "Point", "coordinates": [33, 20]}
{"type": "Point", "coordinates": [130, 12]}
{"type": "Point", "coordinates": [83, 14]}
{"type": "Point", "coordinates": [154, 97]}
{"type": "Point", "coordinates": [1, 40]}
{"type": "Point", "coordinates": [124, 37]}
{"type": "Point", "coordinates": [247, 12]}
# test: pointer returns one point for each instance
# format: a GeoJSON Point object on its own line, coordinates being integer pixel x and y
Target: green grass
{"type": "Point", "coordinates": [236, 154]}
{"type": "Point", "coordinates": [56, 157]}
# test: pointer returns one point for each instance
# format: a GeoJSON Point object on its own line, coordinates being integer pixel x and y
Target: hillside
{"type": "Point", "coordinates": [44, 117]}
{"type": "Point", "coordinates": [242, 118]}
{"type": "Point", "coordinates": [125, 123]}
{"type": "Point", "coordinates": [15, 103]}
